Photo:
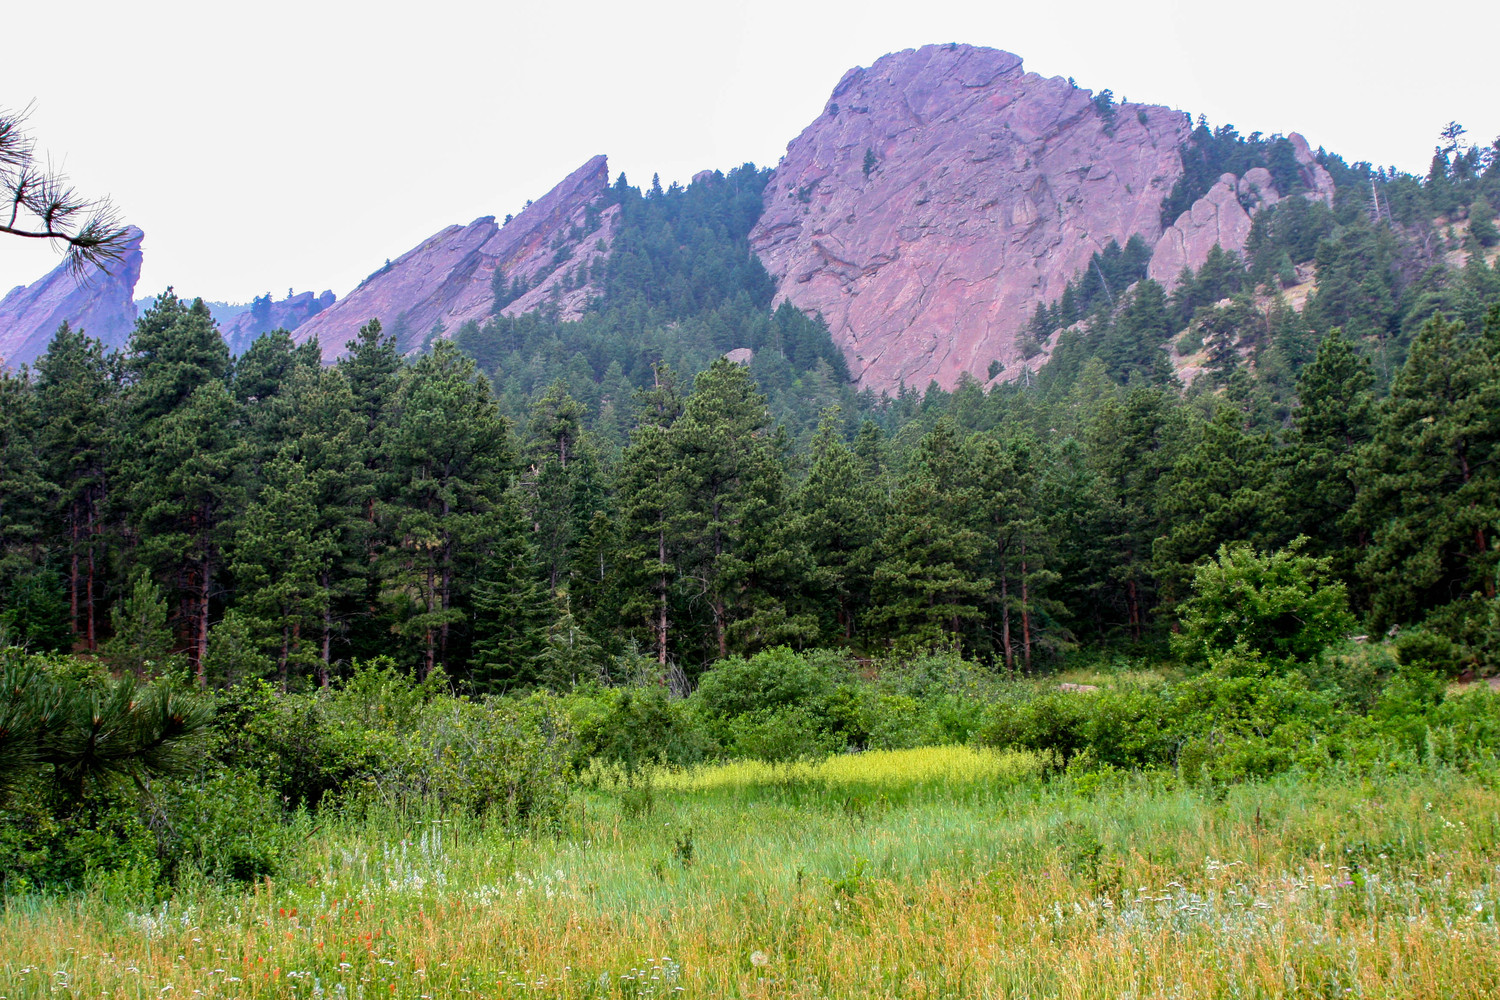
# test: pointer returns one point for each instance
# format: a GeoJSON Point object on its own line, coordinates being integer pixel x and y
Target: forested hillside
{"type": "Point", "coordinates": [608, 479]}
{"type": "Point", "coordinates": [681, 288]}
{"type": "Point", "coordinates": [582, 630]}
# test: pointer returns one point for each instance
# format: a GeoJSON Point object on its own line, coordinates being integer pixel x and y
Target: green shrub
{"type": "Point", "coordinates": [383, 737]}
{"type": "Point", "coordinates": [1278, 605]}
{"type": "Point", "coordinates": [1352, 674]}
{"type": "Point", "coordinates": [52, 843]}
{"type": "Point", "coordinates": [1054, 722]}
{"type": "Point", "coordinates": [634, 727]}
{"type": "Point", "coordinates": [502, 758]}
{"type": "Point", "coordinates": [737, 700]}
{"type": "Point", "coordinates": [227, 825]}
{"type": "Point", "coordinates": [1426, 650]}
{"type": "Point", "coordinates": [1129, 727]}
{"type": "Point", "coordinates": [770, 679]}
{"type": "Point", "coordinates": [784, 733]}
{"type": "Point", "coordinates": [1237, 721]}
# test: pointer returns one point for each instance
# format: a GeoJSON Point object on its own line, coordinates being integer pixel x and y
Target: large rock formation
{"type": "Point", "coordinates": [1223, 215]}
{"type": "Point", "coordinates": [448, 280]}
{"type": "Point", "coordinates": [943, 193]}
{"type": "Point", "coordinates": [288, 314]}
{"type": "Point", "coordinates": [97, 300]}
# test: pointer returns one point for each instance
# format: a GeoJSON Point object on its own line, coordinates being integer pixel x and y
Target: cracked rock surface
{"type": "Point", "coordinates": [447, 279]}
{"type": "Point", "coordinates": [100, 302]}
{"type": "Point", "coordinates": [942, 194]}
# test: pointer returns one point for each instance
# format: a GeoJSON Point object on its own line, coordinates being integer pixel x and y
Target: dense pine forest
{"type": "Point", "coordinates": [236, 590]}
{"type": "Point", "coordinates": [265, 516]}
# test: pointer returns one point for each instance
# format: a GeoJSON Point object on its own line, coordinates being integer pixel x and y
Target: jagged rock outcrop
{"type": "Point", "coordinates": [449, 279]}
{"type": "Point", "coordinates": [942, 194]}
{"type": "Point", "coordinates": [100, 301]}
{"type": "Point", "coordinates": [1223, 215]}
{"type": "Point", "coordinates": [262, 317]}
{"type": "Point", "coordinates": [1217, 218]}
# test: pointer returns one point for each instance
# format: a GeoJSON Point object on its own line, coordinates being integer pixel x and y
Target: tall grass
{"type": "Point", "coordinates": [936, 873]}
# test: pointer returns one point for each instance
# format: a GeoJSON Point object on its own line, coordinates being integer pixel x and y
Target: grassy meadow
{"type": "Point", "coordinates": [938, 872]}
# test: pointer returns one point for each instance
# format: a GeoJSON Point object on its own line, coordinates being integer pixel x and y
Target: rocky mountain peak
{"type": "Point", "coordinates": [100, 301]}
{"type": "Point", "coordinates": [1223, 216]}
{"type": "Point", "coordinates": [265, 315]}
{"type": "Point", "coordinates": [449, 279]}
{"type": "Point", "coordinates": [943, 193]}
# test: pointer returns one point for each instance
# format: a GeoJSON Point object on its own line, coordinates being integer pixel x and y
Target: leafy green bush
{"type": "Point", "coordinates": [384, 737]}
{"type": "Point", "coordinates": [49, 842]}
{"type": "Point", "coordinates": [1426, 650]}
{"type": "Point", "coordinates": [783, 733]}
{"type": "Point", "coordinates": [737, 700]}
{"type": "Point", "coordinates": [227, 825]}
{"type": "Point", "coordinates": [1278, 605]}
{"type": "Point", "coordinates": [634, 727]}
{"type": "Point", "coordinates": [1053, 722]}
{"type": "Point", "coordinates": [1352, 673]}
{"type": "Point", "coordinates": [1239, 720]}
{"type": "Point", "coordinates": [502, 758]}
{"type": "Point", "coordinates": [310, 746]}
{"type": "Point", "coordinates": [770, 679]}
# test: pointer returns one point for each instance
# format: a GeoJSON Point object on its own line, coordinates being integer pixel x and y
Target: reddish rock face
{"type": "Point", "coordinates": [288, 314]}
{"type": "Point", "coordinates": [942, 194]}
{"type": "Point", "coordinates": [1223, 215]}
{"type": "Point", "coordinates": [448, 279]}
{"type": "Point", "coordinates": [1216, 218]}
{"type": "Point", "coordinates": [101, 302]}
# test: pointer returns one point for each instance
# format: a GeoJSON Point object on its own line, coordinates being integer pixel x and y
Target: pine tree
{"type": "Point", "coordinates": [839, 508]}
{"type": "Point", "coordinates": [260, 382]}
{"type": "Point", "coordinates": [278, 553]}
{"type": "Point", "coordinates": [926, 583]}
{"type": "Point", "coordinates": [1429, 480]}
{"type": "Point", "coordinates": [187, 485]}
{"type": "Point", "coordinates": [268, 363]}
{"type": "Point", "coordinates": [77, 396]}
{"type": "Point", "coordinates": [571, 656]}
{"type": "Point", "coordinates": [24, 491]}
{"type": "Point", "coordinates": [325, 434]}
{"type": "Point", "coordinates": [1482, 227]}
{"type": "Point", "coordinates": [1220, 490]}
{"type": "Point", "coordinates": [567, 485]}
{"type": "Point", "coordinates": [1331, 424]}
{"type": "Point", "coordinates": [174, 349]}
{"type": "Point", "coordinates": [453, 460]}
{"type": "Point", "coordinates": [1005, 483]}
{"type": "Point", "coordinates": [371, 366]}
{"type": "Point", "coordinates": [141, 641]}
{"type": "Point", "coordinates": [512, 606]}
{"type": "Point", "coordinates": [1132, 347]}
{"type": "Point", "coordinates": [733, 482]}
{"type": "Point", "coordinates": [1131, 444]}
{"type": "Point", "coordinates": [651, 498]}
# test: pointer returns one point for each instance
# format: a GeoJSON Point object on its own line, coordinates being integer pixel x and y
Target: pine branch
{"type": "Point", "coordinates": [44, 206]}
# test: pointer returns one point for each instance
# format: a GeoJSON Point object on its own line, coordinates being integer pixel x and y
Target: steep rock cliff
{"type": "Point", "coordinates": [100, 301]}
{"type": "Point", "coordinates": [943, 193]}
{"type": "Point", "coordinates": [287, 314]}
{"type": "Point", "coordinates": [1223, 215]}
{"type": "Point", "coordinates": [449, 278]}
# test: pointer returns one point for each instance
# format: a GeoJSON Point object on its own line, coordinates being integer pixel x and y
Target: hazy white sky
{"type": "Point", "coordinates": [279, 144]}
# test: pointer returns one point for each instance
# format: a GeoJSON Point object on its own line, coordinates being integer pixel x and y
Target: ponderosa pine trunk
{"type": "Point", "coordinates": [1025, 614]}
{"type": "Point", "coordinates": [1010, 663]}
{"type": "Point", "coordinates": [200, 668]}
{"type": "Point", "coordinates": [661, 585]}
{"type": "Point", "coordinates": [93, 636]}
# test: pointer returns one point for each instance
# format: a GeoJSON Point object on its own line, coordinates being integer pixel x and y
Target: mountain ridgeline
{"type": "Point", "coordinates": [986, 362]}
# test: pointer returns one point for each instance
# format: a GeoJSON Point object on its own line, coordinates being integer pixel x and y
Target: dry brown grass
{"type": "Point", "coordinates": [1126, 888]}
